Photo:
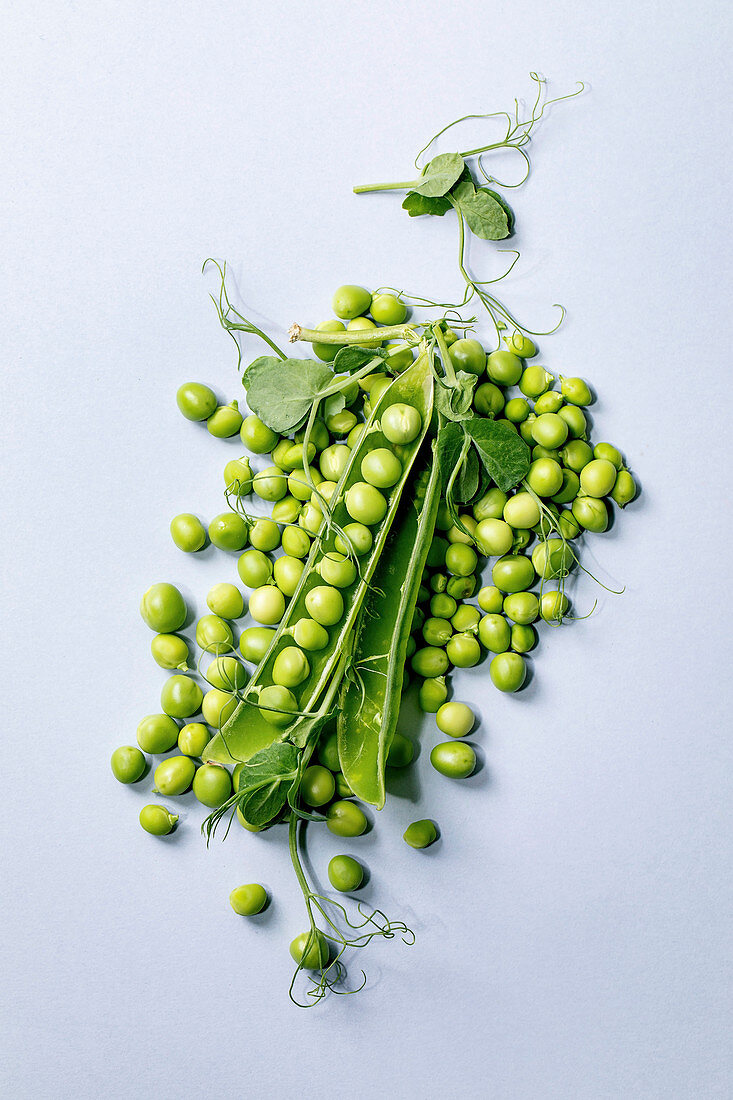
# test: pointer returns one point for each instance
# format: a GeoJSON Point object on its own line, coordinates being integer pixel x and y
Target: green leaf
{"type": "Point", "coordinates": [265, 780]}
{"type": "Point", "coordinates": [439, 175]}
{"type": "Point", "coordinates": [504, 454]}
{"type": "Point", "coordinates": [334, 404]}
{"type": "Point", "coordinates": [454, 402]}
{"type": "Point", "coordinates": [448, 448]}
{"type": "Point", "coordinates": [416, 205]}
{"type": "Point", "coordinates": [504, 205]}
{"type": "Point", "coordinates": [281, 391]}
{"type": "Point", "coordinates": [485, 216]}
{"type": "Point", "coordinates": [350, 359]}
{"type": "Point", "coordinates": [467, 482]}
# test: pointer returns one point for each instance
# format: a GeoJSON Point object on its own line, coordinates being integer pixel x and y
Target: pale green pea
{"type": "Point", "coordinates": [488, 399]}
{"type": "Point", "coordinates": [170, 651]}
{"type": "Point", "coordinates": [345, 873]}
{"type": "Point", "coordinates": [278, 705]}
{"type": "Point", "coordinates": [287, 510]}
{"type": "Point", "coordinates": [254, 568]}
{"type": "Point", "coordinates": [311, 518]}
{"type": "Point", "coordinates": [310, 635]}
{"type": "Point", "coordinates": [463, 650]}
{"type": "Point", "coordinates": [624, 489]}
{"type": "Point", "coordinates": [494, 537]}
{"type": "Point", "coordinates": [127, 764]}
{"type": "Point", "coordinates": [341, 423]}
{"type": "Point", "coordinates": [598, 478]}
{"type": "Point", "coordinates": [270, 484]}
{"type": "Point", "coordinates": [517, 410]}
{"type": "Point", "coordinates": [174, 775]}
{"type": "Point", "coordinates": [576, 391]}
{"type": "Point", "coordinates": [490, 506]}
{"type": "Point", "coordinates": [461, 588]}
{"type": "Point", "coordinates": [238, 477]}
{"type": "Point", "coordinates": [420, 834]}
{"type": "Point", "coordinates": [267, 604]}
{"type": "Point", "coordinates": [188, 532]}
{"type": "Point", "coordinates": [251, 899]}
{"type": "Point", "coordinates": [453, 759]}
{"type": "Point", "coordinates": [214, 635]}
{"type": "Point", "coordinates": [225, 600]}
{"type": "Point", "coordinates": [508, 671]}
{"type": "Point", "coordinates": [193, 739]}
{"type": "Point", "coordinates": [255, 642]}
{"type": "Point", "coordinates": [295, 542]}
{"type": "Point", "coordinates": [325, 604]}
{"type": "Point", "coordinates": [157, 733]}
{"type": "Point", "coordinates": [218, 707]}
{"type": "Point", "coordinates": [608, 451]}
{"type": "Point", "coordinates": [455, 719]}
{"type": "Point", "coordinates": [549, 402]}
{"type": "Point", "coordinates": [225, 421]}
{"type": "Point", "coordinates": [156, 820]}
{"type": "Point", "coordinates": [256, 436]}
{"type": "Point", "coordinates": [524, 637]}
{"type": "Point", "coordinates": [181, 696]}
{"type": "Point", "coordinates": [535, 381]}
{"type": "Point", "coordinates": [521, 345]}
{"type": "Point", "coordinates": [265, 535]}
{"type": "Point", "coordinates": [291, 667]}
{"type": "Point", "coordinates": [455, 534]}
{"type": "Point", "coordinates": [337, 570]}
{"type": "Point", "coordinates": [299, 485]}
{"type": "Point", "coordinates": [521, 607]}
{"type": "Point", "coordinates": [575, 420]}
{"type": "Point", "coordinates": [359, 539]}
{"type": "Point", "coordinates": [553, 606]}
{"type": "Point", "coordinates": [227, 674]}
{"type": "Point", "coordinates": [229, 531]}
{"type": "Point", "coordinates": [163, 608]}
{"type": "Point", "coordinates": [212, 785]}
{"type": "Point", "coordinates": [494, 633]}
{"type": "Point", "coordinates": [432, 694]}
{"type": "Point", "coordinates": [490, 599]}
{"type": "Point", "coordinates": [287, 573]}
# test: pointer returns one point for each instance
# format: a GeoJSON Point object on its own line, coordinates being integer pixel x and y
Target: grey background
{"type": "Point", "coordinates": [571, 924]}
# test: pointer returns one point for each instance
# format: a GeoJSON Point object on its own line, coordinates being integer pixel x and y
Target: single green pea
{"type": "Point", "coordinates": [365, 503]}
{"type": "Point", "coordinates": [156, 820]}
{"type": "Point", "coordinates": [328, 752]}
{"type": "Point", "coordinates": [193, 739]}
{"type": "Point", "coordinates": [300, 487]}
{"type": "Point", "coordinates": [218, 707]}
{"type": "Point", "coordinates": [255, 642]}
{"type": "Point", "coordinates": [567, 525]}
{"type": "Point", "coordinates": [460, 560]}
{"type": "Point", "coordinates": [494, 633]}
{"type": "Point", "coordinates": [454, 759]}
{"type": "Point", "coordinates": [455, 719]}
{"type": "Point", "coordinates": [380, 385]}
{"type": "Point", "coordinates": [325, 604]}
{"type": "Point", "coordinates": [438, 582]}
{"type": "Point", "coordinates": [163, 608]}
{"type": "Point", "coordinates": [354, 436]}
{"type": "Point", "coordinates": [517, 410]}
{"type": "Point", "coordinates": [337, 570]}
{"type": "Point", "coordinates": [545, 452]}
{"type": "Point", "coordinates": [227, 674]}
{"type": "Point", "coordinates": [228, 531]}
{"type": "Point", "coordinates": [214, 634]}
{"type": "Point", "coordinates": [624, 489]}
{"type": "Point", "coordinates": [350, 301]}
{"type": "Point", "coordinates": [287, 510]}
{"type": "Point", "coordinates": [454, 533]}
{"type": "Point", "coordinates": [238, 477]}
{"type": "Point", "coordinates": [333, 460]}
{"type": "Point", "coordinates": [381, 468]}
{"type": "Point", "coordinates": [490, 506]}
{"type": "Point", "coordinates": [346, 819]}
{"type": "Point", "coordinates": [157, 733]}
{"type": "Point", "coordinates": [280, 451]}
{"type": "Point", "coordinates": [463, 650]}
{"type": "Point", "coordinates": [188, 532]}
{"type": "Point", "coordinates": [319, 436]}
{"type": "Point", "coordinates": [549, 430]}
{"type": "Point", "coordinates": [317, 787]}
{"type": "Point", "coordinates": [494, 537]}
{"type": "Point", "coordinates": [310, 950]}
{"type": "Point", "coordinates": [545, 477]}
{"type": "Point", "coordinates": [575, 420]}
{"type": "Point", "coordinates": [552, 558]}
{"type": "Point", "coordinates": [270, 484]}
{"type": "Point", "coordinates": [549, 402]}
{"type": "Point", "coordinates": [388, 309]}
{"type": "Point", "coordinates": [569, 488]}
{"type": "Point", "coordinates": [170, 651]}
{"type": "Point", "coordinates": [465, 618]}
{"type": "Point", "coordinates": [504, 368]}
{"type": "Point", "coordinates": [524, 637]}
{"type": "Point", "coordinates": [225, 421]}
{"type": "Point", "coordinates": [310, 635]}
{"type": "Point", "coordinates": [507, 671]}
{"type": "Point", "coordinates": [127, 764]}
{"type": "Point", "coordinates": [401, 751]}
{"type": "Point", "coordinates": [181, 696]}
{"type": "Point", "coordinates": [345, 874]}
{"type": "Point", "coordinates": [576, 391]}
{"type": "Point", "coordinates": [265, 535]}
{"type": "Point", "coordinates": [598, 478]}
{"type": "Point", "coordinates": [521, 345]}
{"type": "Point", "coordinates": [521, 511]}
{"type": "Point", "coordinates": [430, 661]}
{"type": "Point", "coordinates": [468, 355]}
{"type": "Point", "coordinates": [311, 518]}
{"type": "Point", "coordinates": [267, 604]}
{"type": "Point", "coordinates": [174, 775]}
{"type": "Point", "coordinates": [461, 588]}
{"type": "Point", "coordinates": [522, 607]}
{"type": "Point", "coordinates": [256, 436]}
{"type": "Point", "coordinates": [576, 454]}
{"type": "Point", "coordinates": [277, 705]}
{"type": "Point", "coordinates": [225, 600]}
{"type": "Point", "coordinates": [328, 352]}
{"type": "Point", "coordinates": [437, 632]}
{"type": "Point", "coordinates": [420, 834]}
{"type": "Point", "coordinates": [287, 573]}
{"type": "Point", "coordinates": [291, 667]}
{"type": "Point", "coordinates": [442, 606]}
{"type": "Point", "coordinates": [525, 429]}
{"type": "Point", "coordinates": [490, 599]}
{"type": "Point", "coordinates": [295, 542]}
{"type": "Point", "coordinates": [513, 573]}
{"type": "Point", "coordinates": [343, 790]}
{"type": "Point", "coordinates": [432, 694]}
{"type": "Point", "coordinates": [248, 900]}
{"type": "Point", "coordinates": [554, 606]}
{"type": "Point", "coordinates": [401, 423]}
{"type": "Point", "coordinates": [359, 540]}
{"type": "Point", "coordinates": [488, 400]}
{"type": "Point", "coordinates": [196, 401]}
{"type": "Point", "coordinates": [609, 452]}
{"type": "Point", "coordinates": [212, 785]}
{"type": "Point", "coordinates": [591, 513]}
{"type": "Point", "coordinates": [535, 381]}
{"type": "Point", "coordinates": [254, 568]}
{"type": "Point", "coordinates": [341, 423]}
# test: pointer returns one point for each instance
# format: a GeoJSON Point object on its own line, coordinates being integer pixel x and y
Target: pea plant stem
{"type": "Point", "coordinates": [450, 373]}
{"type": "Point", "coordinates": [364, 187]}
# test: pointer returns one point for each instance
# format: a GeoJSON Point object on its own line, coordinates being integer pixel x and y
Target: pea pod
{"type": "Point", "coordinates": [247, 731]}
{"type": "Point", "coordinates": [369, 702]}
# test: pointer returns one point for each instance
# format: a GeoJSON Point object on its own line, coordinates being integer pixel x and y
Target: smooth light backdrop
{"type": "Point", "coordinates": [571, 924]}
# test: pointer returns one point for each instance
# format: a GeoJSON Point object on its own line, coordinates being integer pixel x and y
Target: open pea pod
{"type": "Point", "coordinates": [371, 692]}
{"type": "Point", "coordinates": [248, 731]}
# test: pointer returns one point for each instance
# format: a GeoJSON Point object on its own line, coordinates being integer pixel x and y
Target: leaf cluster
{"type": "Point", "coordinates": [282, 391]}
{"type": "Point", "coordinates": [447, 181]}
{"type": "Point", "coordinates": [474, 450]}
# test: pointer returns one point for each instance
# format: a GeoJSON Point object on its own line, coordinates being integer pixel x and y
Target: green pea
{"type": "Point", "coordinates": [333, 461]}
{"type": "Point", "coordinates": [254, 568]}
{"type": "Point", "coordinates": [431, 661]}
{"type": "Point", "coordinates": [463, 650]}
{"type": "Point", "coordinates": [456, 534]}
{"type": "Point", "coordinates": [325, 604]}
{"type": "Point", "coordinates": [265, 535]}
{"type": "Point", "coordinates": [212, 785]}
{"type": "Point", "coordinates": [359, 540]}
{"type": "Point", "coordinates": [311, 518]}
{"type": "Point", "coordinates": [437, 632]}
{"type": "Point", "coordinates": [214, 634]}
{"type": "Point", "coordinates": [490, 506]}
{"type": "Point", "coordinates": [319, 436]}
{"type": "Point", "coordinates": [291, 667]}
{"type": "Point", "coordinates": [270, 484]}
{"type": "Point", "coordinates": [256, 436]}
{"type": "Point", "coordinates": [576, 391]}
{"type": "Point", "coordinates": [365, 503]}
{"type": "Point", "coordinates": [156, 820]}
{"type": "Point", "coordinates": [157, 733]}
{"type": "Point", "coordinates": [328, 352]}
{"type": "Point", "coordinates": [461, 588]}
{"type": "Point", "coordinates": [238, 477]}
{"type": "Point", "coordinates": [522, 511]}
{"type": "Point", "coordinates": [432, 694]}
{"type": "Point", "coordinates": [517, 410]}
{"type": "Point", "coordinates": [287, 510]}
{"type": "Point", "coordinates": [296, 543]}
{"type": "Point", "coordinates": [196, 401]}
{"type": "Point", "coordinates": [343, 790]}
{"type": "Point", "coordinates": [549, 430]}
{"type": "Point", "coordinates": [218, 707]}
{"type": "Point", "coordinates": [127, 764]}
{"type": "Point", "coordinates": [569, 488]}
{"type": "Point", "coordinates": [552, 558]}
{"type": "Point", "coordinates": [310, 635]}
{"type": "Point", "coordinates": [226, 601]}
{"type": "Point", "coordinates": [525, 429]}
{"type": "Point", "coordinates": [381, 468]}
{"type": "Point", "coordinates": [228, 531]}
{"type": "Point", "coordinates": [337, 570]}
{"type": "Point", "coordinates": [193, 739]}
{"type": "Point", "coordinates": [442, 606]}
{"type": "Point", "coordinates": [468, 355]}
{"type": "Point", "coordinates": [188, 532]}
{"type": "Point", "coordinates": [280, 451]}
{"type": "Point", "coordinates": [227, 674]}
{"type": "Point", "coordinates": [524, 637]}
{"type": "Point", "coordinates": [255, 642]}
{"type": "Point", "coordinates": [554, 606]}
{"type": "Point", "coordinates": [351, 301]}
{"type": "Point", "coordinates": [400, 357]}
{"type": "Point", "coordinates": [568, 526]}
{"type": "Point", "coordinates": [401, 751]}
{"type": "Point", "coordinates": [287, 573]}
{"type": "Point", "coordinates": [504, 367]}
{"type": "Point", "coordinates": [454, 759]}
{"type": "Point", "coordinates": [576, 455]}
{"type": "Point", "coordinates": [388, 309]}
{"type": "Point", "coordinates": [170, 651]}
{"type": "Point", "coordinates": [545, 477]}
{"type": "Point", "coordinates": [513, 573]}
{"type": "Point", "coordinates": [174, 775]}
{"type": "Point", "coordinates": [277, 704]}
{"type": "Point", "coordinates": [225, 421]}
{"type": "Point", "coordinates": [550, 402]}
{"type": "Point", "coordinates": [460, 560]}
{"type": "Point", "coordinates": [494, 633]}
{"type": "Point", "coordinates": [345, 873]}
{"type": "Point", "coordinates": [248, 900]}
{"type": "Point", "coordinates": [591, 513]}
{"type": "Point", "coordinates": [345, 819]}
{"type": "Point", "coordinates": [522, 539]}
{"type": "Point", "coordinates": [545, 452]}
{"type": "Point", "coordinates": [299, 485]}
{"type": "Point", "coordinates": [624, 489]}
{"type": "Point", "coordinates": [465, 618]}
{"type": "Point", "coordinates": [181, 696]}
{"type": "Point", "coordinates": [438, 582]}
{"type": "Point", "coordinates": [521, 345]}
{"type": "Point", "coordinates": [488, 400]}
{"type": "Point", "coordinates": [420, 834]}
{"type": "Point", "coordinates": [534, 382]}
{"type": "Point", "coordinates": [401, 423]}
{"type": "Point", "coordinates": [328, 752]}
{"type": "Point", "coordinates": [267, 604]}
{"type": "Point", "coordinates": [507, 671]}
{"type": "Point", "coordinates": [522, 607]}
{"type": "Point", "coordinates": [310, 950]}
{"type": "Point", "coordinates": [317, 786]}
{"type": "Point", "coordinates": [163, 608]}
{"type": "Point", "coordinates": [494, 537]}
{"type": "Point", "coordinates": [341, 423]}
{"type": "Point", "coordinates": [455, 719]}
{"type": "Point", "coordinates": [598, 478]}
{"type": "Point", "coordinates": [490, 599]}
{"type": "Point", "coordinates": [575, 420]}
